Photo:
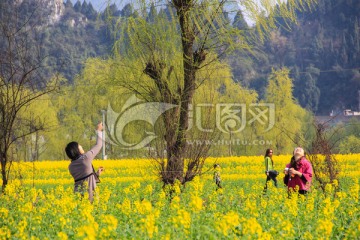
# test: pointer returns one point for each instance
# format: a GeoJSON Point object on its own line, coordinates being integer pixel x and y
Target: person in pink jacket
{"type": "Point", "coordinates": [81, 168]}
{"type": "Point", "coordinates": [298, 173]}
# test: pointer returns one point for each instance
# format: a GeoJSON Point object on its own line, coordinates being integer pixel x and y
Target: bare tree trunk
{"type": "Point", "coordinates": [3, 161]}
{"type": "Point", "coordinates": [175, 150]}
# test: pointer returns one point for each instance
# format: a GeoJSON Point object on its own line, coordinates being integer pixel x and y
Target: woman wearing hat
{"type": "Point", "coordinates": [298, 173]}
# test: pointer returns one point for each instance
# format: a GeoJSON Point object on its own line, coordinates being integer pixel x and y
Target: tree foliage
{"type": "Point", "coordinates": [21, 82]}
{"type": "Point", "coordinates": [172, 52]}
{"type": "Point", "coordinates": [289, 116]}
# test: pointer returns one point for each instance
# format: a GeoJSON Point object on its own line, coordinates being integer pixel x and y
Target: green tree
{"type": "Point", "coordinates": [239, 21]}
{"type": "Point", "coordinates": [77, 6]}
{"type": "Point", "coordinates": [127, 11]}
{"type": "Point", "coordinates": [309, 93]}
{"type": "Point", "coordinates": [196, 30]}
{"type": "Point", "coordinates": [21, 81]}
{"type": "Point", "coordinates": [68, 4]}
{"type": "Point", "coordinates": [38, 145]}
{"type": "Point", "coordinates": [152, 13]}
{"type": "Point", "coordinates": [279, 48]}
{"type": "Point", "coordinates": [289, 116]}
{"type": "Point", "coordinates": [350, 144]}
{"type": "Point", "coordinates": [89, 11]}
{"type": "Point", "coordinates": [346, 134]}
{"type": "Point", "coordinates": [217, 99]}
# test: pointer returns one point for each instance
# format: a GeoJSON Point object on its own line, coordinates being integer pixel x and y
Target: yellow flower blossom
{"type": "Point", "coordinates": [62, 221]}
{"type": "Point", "coordinates": [143, 207]}
{"type": "Point", "coordinates": [27, 207]}
{"type": "Point", "coordinates": [227, 222]}
{"type": "Point", "coordinates": [251, 207]}
{"type": "Point", "coordinates": [149, 225]}
{"type": "Point", "coordinates": [308, 236]}
{"type": "Point", "coordinates": [125, 207]}
{"type": "Point", "coordinates": [5, 232]}
{"type": "Point", "coordinates": [62, 236]}
{"type": "Point", "coordinates": [324, 228]}
{"type": "Point", "coordinates": [251, 227]}
{"type": "Point", "coordinates": [4, 213]}
{"type": "Point", "coordinates": [197, 186]}
{"type": "Point", "coordinates": [212, 206]}
{"type": "Point", "coordinates": [182, 220]}
{"type": "Point", "coordinates": [177, 187]}
{"type": "Point", "coordinates": [196, 203]}
{"type": "Point", "coordinates": [148, 190]}
{"type": "Point", "coordinates": [110, 224]}
{"type": "Point", "coordinates": [175, 203]}
{"type": "Point", "coordinates": [88, 232]}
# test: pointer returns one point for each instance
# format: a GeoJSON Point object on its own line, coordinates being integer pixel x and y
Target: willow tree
{"type": "Point", "coordinates": [171, 51]}
{"type": "Point", "coordinates": [289, 116]}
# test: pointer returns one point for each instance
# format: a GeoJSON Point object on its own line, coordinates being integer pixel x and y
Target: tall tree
{"type": "Point", "coordinates": [68, 4]}
{"type": "Point", "coordinates": [308, 93]}
{"type": "Point", "coordinates": [289, 116]}
{"type": "Point", "coordinates": [127, 11]}
{"type": "Point", "coordinates": [33, 147]}
{"type": "Point", "coordinates": [21, 80]}
{"type": "Point", "coordinates": [196, 31]}
{"type": "Point", "coordinates": [239, 21]}
{"type": "Point", "coordinates": [152, 13]}
{"type": "Point", "coordinates": [77, 6]}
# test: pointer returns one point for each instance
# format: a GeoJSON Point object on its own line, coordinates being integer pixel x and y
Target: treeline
{"type": "Point", "coordinates": [322, 50]}
{"type": "Point", "coordinates": [292, 70]}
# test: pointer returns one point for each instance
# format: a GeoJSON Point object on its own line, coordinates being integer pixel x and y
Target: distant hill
{"type": "Point", "coordinates": [322, 50]}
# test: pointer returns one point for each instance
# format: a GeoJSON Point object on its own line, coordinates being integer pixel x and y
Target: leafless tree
{"type": "Point", "coordinates": [21, 79]}
{"type": "Point", "coordinates": [325, 166]}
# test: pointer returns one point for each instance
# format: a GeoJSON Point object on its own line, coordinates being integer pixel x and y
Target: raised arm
{"type": "Point", "coordinates": [97, 147]}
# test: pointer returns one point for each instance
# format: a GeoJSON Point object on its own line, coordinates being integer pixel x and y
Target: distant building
{"type": "Point", "coordinates": [333, 118]}
{"type": "Point", "coordinates": [348, 112]}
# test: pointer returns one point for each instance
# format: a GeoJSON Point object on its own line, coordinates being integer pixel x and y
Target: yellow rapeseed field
{"type": "Point", "coordinates": [132, 203]}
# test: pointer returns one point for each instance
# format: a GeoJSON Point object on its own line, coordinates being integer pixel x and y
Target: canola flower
{"type": "Point", "coordinates": [132, 204]}
{"type": "Point", "coordinates": [196, 203]}
{"type": "Point", "coordinates": [182, 221]}
{"type": "Point", "coordinates": [149, 225]}
{"type": "Point", "coordinates": [227, 223]}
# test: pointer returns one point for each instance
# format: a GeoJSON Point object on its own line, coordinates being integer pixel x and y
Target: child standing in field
{"type": "Point", "coordinates": [217, 177]}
